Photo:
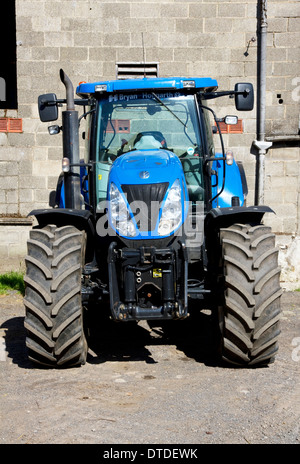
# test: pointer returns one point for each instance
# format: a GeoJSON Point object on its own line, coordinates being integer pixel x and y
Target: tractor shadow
{"type": "Point", "coordinates": [128, 341]}
{"type": "Point", "coordinates": [14, 347]}
{"type": "Point", "coordinates": [195, 336]}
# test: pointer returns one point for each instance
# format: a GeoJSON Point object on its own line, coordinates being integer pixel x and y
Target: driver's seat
{"type": "Point", "coordinates": [149, 140]}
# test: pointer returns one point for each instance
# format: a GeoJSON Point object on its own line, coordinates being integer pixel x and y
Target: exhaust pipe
{"type": "Point", "coordinates": [69, 90]}
{"type": "Point", "coordinates": [70, 126]}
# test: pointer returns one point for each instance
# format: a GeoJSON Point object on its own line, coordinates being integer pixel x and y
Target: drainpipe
{"type": "Point", "coordinates": [261, 144]}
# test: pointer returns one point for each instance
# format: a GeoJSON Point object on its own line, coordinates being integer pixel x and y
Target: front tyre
{"type": "Point", "coordinates": [54, 319]}
{"type": "Point", "coordinates": [250, 310]}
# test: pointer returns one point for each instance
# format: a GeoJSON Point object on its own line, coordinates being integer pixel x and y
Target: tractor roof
{"type": "Point", "coordinates": [150, 84]}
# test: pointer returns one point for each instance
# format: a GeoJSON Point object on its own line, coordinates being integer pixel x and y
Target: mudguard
{"type": "Point", "coordinates": [224, 217]}
{"type": "Point", "coordinates": [81, 219]}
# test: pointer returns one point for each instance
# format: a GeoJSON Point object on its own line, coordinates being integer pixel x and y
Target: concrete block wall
{"type": "Point", "coordinates": [203, 38]}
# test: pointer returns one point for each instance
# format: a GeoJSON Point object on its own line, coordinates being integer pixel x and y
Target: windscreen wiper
{"type": "Point", "coordinates": [163, 104]}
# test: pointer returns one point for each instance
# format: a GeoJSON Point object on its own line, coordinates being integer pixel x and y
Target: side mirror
{"type": "Point", "coordinates": [47, 104]}
{"type": "Point", "coordinates": [244, 100]}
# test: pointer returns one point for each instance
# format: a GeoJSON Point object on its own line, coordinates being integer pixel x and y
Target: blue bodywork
{"type": "Point", "coordinates": [171, 83]}
{"type": "Point", "coordinates": [156, 166]}
{"type": "Point", "coordinates": [160, 165]}
{"type": "Point", "coordinates": [233, 184]}
{"type": "Point", "coordinates": [84, 189]}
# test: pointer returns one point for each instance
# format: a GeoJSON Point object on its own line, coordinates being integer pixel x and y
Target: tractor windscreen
{"type": "Point", "coordinates": [147, 121]}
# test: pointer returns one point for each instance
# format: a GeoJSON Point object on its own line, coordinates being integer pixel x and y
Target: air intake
{"type": "Point", "coordinates": [148, 198]}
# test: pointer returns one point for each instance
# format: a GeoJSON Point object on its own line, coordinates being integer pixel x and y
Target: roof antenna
{"type": "Point", "coordinates": [144, 54]}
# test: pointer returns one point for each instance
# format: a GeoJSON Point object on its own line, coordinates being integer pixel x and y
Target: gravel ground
{"type": "Point", "coordinates": [140, 386]}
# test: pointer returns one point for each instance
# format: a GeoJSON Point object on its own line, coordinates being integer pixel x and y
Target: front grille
{"type": "Point", "coordinates": [149, 198]}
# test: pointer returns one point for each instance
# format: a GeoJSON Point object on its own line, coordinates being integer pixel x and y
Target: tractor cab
{"type": "Point", "coordinates": [161, 128]}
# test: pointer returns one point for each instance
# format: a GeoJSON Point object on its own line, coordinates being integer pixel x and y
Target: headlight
{"type": "Point", "coordinates": [171, 216]}
{"type": "Point", "coordinates": [119, 213]}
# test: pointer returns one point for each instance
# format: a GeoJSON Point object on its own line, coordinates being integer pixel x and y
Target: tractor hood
{"type": "Point", "coordinates": [144, 178]}
{"type": "Point", "coordinates": [146, 166]}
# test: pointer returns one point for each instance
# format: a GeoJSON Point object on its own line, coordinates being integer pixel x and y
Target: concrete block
{"type": "Point", "coordinates": [30, 8]}
{"type": "Point", "coordinates": [202, 10]}
{"type": "Point", "coordinates": [59, 39]}
{"type": "Point", "coordinates": [283, 10]}
{"type": "Point", "coordinates": [117, 39]}
{"type": "Point", "coordinates": [12, 209]}
{"type": "Point", "coordinates": [74, 53]}
{"type": "Point", "coordinates": [123, 10]}
{"type": "Point", "coordinates": [188, 54]}
{"type": "Point", "coordinates": [52, 182]}
{"type": "Point", "coordinates": [275, 222]}
{"type": "Point", "coordinates": [294, 24]}
{"type": "Point", "coordinates": [291, 168]}
{"type": "Point", "coordinates": [8, 168]}
{"type": "Point", "coordinates": [82, 39]}
{"type": "Point", "coordinates": [23, 23]}
{"type": "Point", "coordinates": [281, 69]}
{"type": "Point", "coordinates": [46, 23]}
{"type": "Point", "coordinates": [29, 68]}
{"type": "Point", "coordinates": [212, 24]}
{"type": "Point", "coordinates": [276, 54]}
{"type": "Point", "coordinates": [293, 54]}
{"type": "Point", "coordinates": [31, 39]}
{"type": "Point", "coordinates": [17, 250]}
{"type": "Point", "coordinates": [64, 9]}
{"type": "Point", "coordinates": [3, 142]}
{"type": "Point", "coordinates": [173, 68]}
{"type": "Point", "coordinates": [45, 53]}
{"type": "Point", "coordinates": [232, 10]}
{"type": "Point", "coordinates": [31, 182]}
{"type": "Point", "coordinates": [173, 40]}
{"type": "Point", "coordinates": [26, 208]}
{"type": "Point", "coordinates": [3, 251]}
{"type": "Point", "coordinates": [287, 39]}
{"type": "Point", "coordinates": [138, 10]}
{"type": "Point", "coordinates": [45, 168]}
{"type": "Point", "coordinates": [46, 140]}
{"type": "Point", "coordinates": [277, 24]}
{"type": "Point", "coordinates": [26, 195]}
{"type": "Point", "coordinates": [12, 196]}
{"type": "Point", "coordinates": [9, 182]}
{"type": "Point", "coordinates": [186, 24]}
{"type": "Point", "coordinates": [105, 53]}
{"type": "Point", "coordinates": [9, 234]}
{"type": "Point", "coordinates": [217, 55]}
{"type": "Point", "coordinates": [205, 41]}
{"type": "Point", "coordinates": [160, 54]}
{"type": "Point", "coordinates": [134, 53]}
{"type": "Point", "coordinates": [163, 25]}
{"type": "Point", "coordinates": [130, 24]}
{"type": "Point", "coordinates": [54, 153]}
{"type": "Point", "coordinates": [41, 195]}
{"type": "Point", "coordinates": [174, 10]}
{"type": "Point", "coordinates": [83, 24]}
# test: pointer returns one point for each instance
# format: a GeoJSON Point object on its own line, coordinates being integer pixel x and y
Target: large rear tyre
{"type": "Point", "coordinates": [250, 311]}
{"type": "Point", "coordinates": [54, 314]}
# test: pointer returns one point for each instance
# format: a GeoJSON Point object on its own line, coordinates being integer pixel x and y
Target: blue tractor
{"type": "Point", "coordinates": [151, 225]}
